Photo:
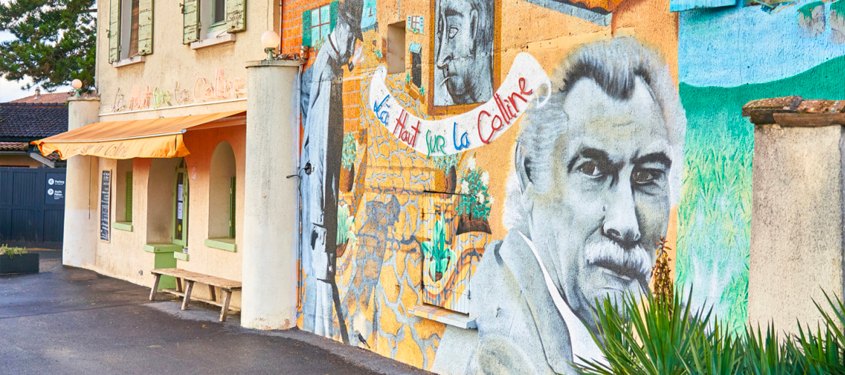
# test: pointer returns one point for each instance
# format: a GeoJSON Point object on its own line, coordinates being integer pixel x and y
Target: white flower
{"type": "Point", "coordinates": [479, 197]}
{"type": "Point", "coordinates": [471, 163]}
{"type": "Point", "coordinates": [491, 200]}
{"type": "Point", "coordinates": [464, 187]}
{"type": "Point", "coordinates": [485, 178]}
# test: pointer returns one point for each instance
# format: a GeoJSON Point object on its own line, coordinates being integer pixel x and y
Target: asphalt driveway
{"type": "Point", "coordinates": [74, 321]}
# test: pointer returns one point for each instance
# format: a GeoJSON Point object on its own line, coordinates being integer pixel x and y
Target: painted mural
{"type": "Point", "coordinates": [464, 215]}
{"type": "Point", "coordinates": [764, 49]}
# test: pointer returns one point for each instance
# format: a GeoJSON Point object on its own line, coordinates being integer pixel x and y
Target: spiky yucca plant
{"type": "Point", "coordinates": [640, 336]}
{"type": "Point", "coordinates": [643, 336]}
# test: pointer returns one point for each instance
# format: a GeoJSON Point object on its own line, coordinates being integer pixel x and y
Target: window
{"type": "Point", "coordinates": [396, 48]}
{"type": "Point", "coordinates": [130, 29]}
{"type": "Point", "coordinates": [213, 20]}
{"type": "Point", "coordinates": [222, 201]}
{"type": "Point", "coordinates": [317, 24]}
{"type": "Point", "coordinates": [123, 192]}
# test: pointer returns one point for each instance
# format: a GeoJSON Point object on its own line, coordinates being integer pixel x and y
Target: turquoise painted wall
{"type": "Point", "coordinates": [728, 57]}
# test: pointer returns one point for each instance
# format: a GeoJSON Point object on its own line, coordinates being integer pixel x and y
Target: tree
{"type": "Point", "coordinates": [54, 43]}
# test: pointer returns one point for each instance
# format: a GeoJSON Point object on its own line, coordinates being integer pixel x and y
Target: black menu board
{"type": "Point", "coordinates": [104, 206]}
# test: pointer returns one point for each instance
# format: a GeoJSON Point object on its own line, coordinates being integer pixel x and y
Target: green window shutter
{"type": "Point", "coordinates": [306, 28]}
{"type": "Point", "coordinates": [236, 15]}
{"type": "Point", "coordinates": [190, 21]}
{"type": "Point", "coordinates": [232, 209]}
{"type": "Point", "coordinates": [145, 27]}
{"type": "Point", "coordinates": [333, 9]}
{"type": "Point", "coordinates": [114, 31]}
{"type": "Point", "coordinates": [128, 205]}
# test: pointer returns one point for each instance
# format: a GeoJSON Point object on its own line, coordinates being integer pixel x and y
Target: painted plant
{"type": "Point", "coordinates": [345, 230]}
{"type": "Point", "coordinates": [475, 204]}
{"type": "Point", "coordinates": [447, 164]}
{"type": "Point", "coordinates": [437, 251]}
{"type": "Point", "coordinates": [347, 162]}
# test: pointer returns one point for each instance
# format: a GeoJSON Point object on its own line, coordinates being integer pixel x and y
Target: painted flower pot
{"type": "Point", "coordinates": [467, 223]}
{"type": "Point", "coordinates": [347, 179]}
{"type": "Point", "coordinates": [341, 249]}
{"type": "Point", "coordinates": [439, 275]}
{"type": "Point", "coordinates": [23, 263]}
{"type": "Point", "coordinates": [451, 180]}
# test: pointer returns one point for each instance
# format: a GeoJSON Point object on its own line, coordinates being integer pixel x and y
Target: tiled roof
{"type": "Point", "coordinates": [59, 97]}
{"type": "Point", "coordinates": [32, 120]}
{"type": "Point", "coordinates": [13, 146]}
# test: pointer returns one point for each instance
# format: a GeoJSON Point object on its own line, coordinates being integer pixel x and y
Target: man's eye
{"type": "Point", "coordinates": [453, 31]}
{"type": "Point", "coordinates": [645, 177]}
{"type": "Point", "coordinates": [590, 169]}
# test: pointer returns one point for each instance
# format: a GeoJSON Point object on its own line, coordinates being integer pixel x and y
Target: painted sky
{"type": "Point", "coordinates": [729, 47]}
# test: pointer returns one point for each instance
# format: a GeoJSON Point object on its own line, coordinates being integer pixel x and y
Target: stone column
{"type": "Point", "coordinates": [81, 192]}
{"type": "Point", "coordinates": [797, 208]}
{"type": "Point", "coordinates": [270, 210]}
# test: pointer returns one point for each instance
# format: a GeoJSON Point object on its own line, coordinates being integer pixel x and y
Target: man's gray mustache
{"type": "Point", "coordinates": [635, 260]}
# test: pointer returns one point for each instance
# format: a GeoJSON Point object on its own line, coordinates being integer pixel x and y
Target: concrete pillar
{"type": "Point", "coordinates": [81, 205]}
{"type": "Point", "coordinates": [270, 226]}
{"type": "Point", "coordinates": [796, 217]}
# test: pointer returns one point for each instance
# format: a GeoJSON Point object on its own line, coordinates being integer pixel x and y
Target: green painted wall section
{"type": "Point", "coordinates": [715, 208]}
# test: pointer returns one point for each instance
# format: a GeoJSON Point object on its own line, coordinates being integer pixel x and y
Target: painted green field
{"type": "Point", "coordinates": [715, 207]}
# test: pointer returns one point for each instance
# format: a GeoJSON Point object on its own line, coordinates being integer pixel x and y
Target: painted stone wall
{"type": "Point", "coordinates": [728, 57]}
{"type": "Point", "coordinates": [462, 211]}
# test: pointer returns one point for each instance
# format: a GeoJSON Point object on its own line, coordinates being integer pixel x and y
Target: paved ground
{"type": "Point", "coordinates": [74, 321]}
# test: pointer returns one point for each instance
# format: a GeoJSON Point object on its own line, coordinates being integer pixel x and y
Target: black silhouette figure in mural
{"type": "Point", "coordinates": [596, 171]}
{"type": "Point", "coordinates": [463, 52]}
{"type": "Point", "coordinates": [322, 146]}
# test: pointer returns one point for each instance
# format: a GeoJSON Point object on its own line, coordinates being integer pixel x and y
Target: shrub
{"type": "Point", "coordinates": [12, 251]}
{"type": "Point", "coordinates": [656, 335]}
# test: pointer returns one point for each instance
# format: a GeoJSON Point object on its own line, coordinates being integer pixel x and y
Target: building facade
{"type": "Point", "coordinates": [451, 184]}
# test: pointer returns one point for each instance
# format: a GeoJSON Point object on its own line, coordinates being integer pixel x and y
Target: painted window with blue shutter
{"type": "Point", "coordinates": [318, 23]}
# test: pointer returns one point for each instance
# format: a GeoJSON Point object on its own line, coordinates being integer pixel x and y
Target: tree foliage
{"type": "Point", "coordinates": [54, 43]}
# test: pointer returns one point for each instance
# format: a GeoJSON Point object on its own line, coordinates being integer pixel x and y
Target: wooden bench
{"type": "Point", "coordinates": [189, 278]}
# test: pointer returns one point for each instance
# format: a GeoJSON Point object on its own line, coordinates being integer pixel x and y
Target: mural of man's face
{"type": "Point", "coordinates": [456, 33]}
{"type": "Point", "coordinates": [608, 202]}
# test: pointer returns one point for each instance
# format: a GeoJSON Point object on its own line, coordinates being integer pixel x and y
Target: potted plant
{"type": "Point", "coordinates": [439, 255]}
{"type": "Point", "coordinates": [17, 260]}
{"type": "Point", "coordinates": [447, 164]}
{"type": "Point", "coordinates": [474, 207]}
{"type": "Point", "coordinates": [347, 162]}
{"type": "Point", "coordinates": [345, 230]}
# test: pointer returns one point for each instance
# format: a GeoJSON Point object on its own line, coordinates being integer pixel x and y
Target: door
{"type": "Point", "coordinates": [180, 206]}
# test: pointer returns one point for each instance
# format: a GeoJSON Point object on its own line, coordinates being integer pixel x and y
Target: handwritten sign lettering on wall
{"type": "Point", "coordinates": [204, 89]}
{"type": "Point", "coordinates": [526, 81]}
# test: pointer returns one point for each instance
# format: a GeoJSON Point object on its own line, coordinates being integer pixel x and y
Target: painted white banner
{"type": "Point", "coordinates": [526, 81]}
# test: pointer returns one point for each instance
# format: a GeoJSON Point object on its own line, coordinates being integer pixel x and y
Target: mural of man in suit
{"type": "Point", "coordinates": [322, 146]}
{"type": "Point", "coordinates": [596, 171]}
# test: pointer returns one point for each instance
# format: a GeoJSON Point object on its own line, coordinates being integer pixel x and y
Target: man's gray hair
{"type": "Point", "coordinates": [614, 65]}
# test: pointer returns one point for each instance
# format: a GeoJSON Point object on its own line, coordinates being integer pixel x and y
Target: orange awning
{"type": "Point", "coordinates": [155, 138]}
